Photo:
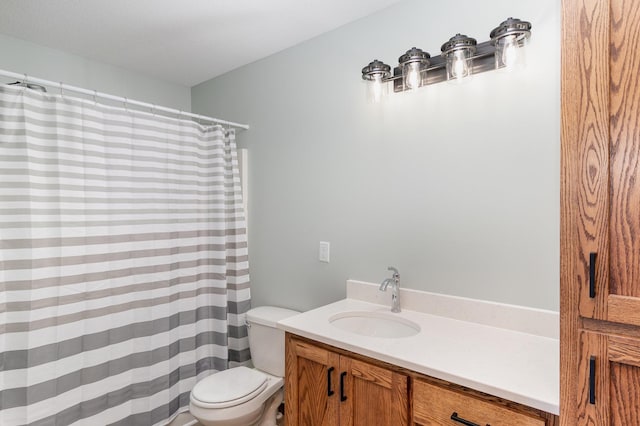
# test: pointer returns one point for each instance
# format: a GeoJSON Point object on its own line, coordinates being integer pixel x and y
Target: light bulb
{"type": "Point", "coordinates": [412, 78]}
{"type": "Point", "coordinates": [376, 89]}
{"type": "Point", "coordinates": [510, 52]}
{"type": "Point", "coordinates": [460, 65]}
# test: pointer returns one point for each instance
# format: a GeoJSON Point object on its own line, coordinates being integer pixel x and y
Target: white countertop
{"type": "Point", "coordinates": [514, 365]}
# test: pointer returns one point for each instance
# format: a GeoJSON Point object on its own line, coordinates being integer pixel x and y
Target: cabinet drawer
{"type": "Point", "coordinates": [435, 405]}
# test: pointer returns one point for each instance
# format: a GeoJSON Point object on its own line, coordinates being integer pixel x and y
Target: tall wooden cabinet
{"type": "Point", "coordinates": [600, 213]}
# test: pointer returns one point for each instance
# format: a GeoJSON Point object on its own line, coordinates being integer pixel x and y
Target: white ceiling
{"type": "Point", "coordinates": [181, 41]}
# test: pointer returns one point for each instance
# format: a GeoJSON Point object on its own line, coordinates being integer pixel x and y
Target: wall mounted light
{"type": "Point", "coordinates": [461, 57]}
{"type": "Point", "coordinates": [509, 38]}
{"type": "Point", "coordinates": [414, 65]}
{"type": "Point", "coordinates": [458, 52]}
{"type": "Point", "coordinates": [376, 74]}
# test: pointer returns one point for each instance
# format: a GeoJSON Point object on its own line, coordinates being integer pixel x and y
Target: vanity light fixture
{"type": "Point", "coordinates": [461, 57]}
{"type": "Point", "coordinates": [509, 38]}
{"type": "Point", "coordinates": [376, 74]}
{"type": "Point", "coordinates": [414, 65]}
{"type": "Point", "coordinates": [458, 52]}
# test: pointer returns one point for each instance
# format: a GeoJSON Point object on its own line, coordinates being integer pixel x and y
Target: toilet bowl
{"type": "Point", "coordinates": [243, 396]}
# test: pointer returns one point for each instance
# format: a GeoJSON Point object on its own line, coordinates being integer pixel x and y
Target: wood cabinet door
{"type": "Point", "coordinates": [608, 380]}
{"type": "Point", "coordinates": [623, 298]}
{"type": "Point", "coordinates": [311, 385]}
{"type": "Point", "coordinates": [372, 395]}
{"type": "Point", "coordinates": [600, 194]}
{"type": "Point", "coordinates": [601, 157]}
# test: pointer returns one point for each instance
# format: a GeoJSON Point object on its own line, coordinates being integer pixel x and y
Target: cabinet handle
{"type": "Point", "coordinates": [592, 380]}
{"type": "Point", "coordinates": [329, 390]}
{"type": "Point", "coordinates": [455, 418]}
{"type": "Point", "coordinates": [343, 397]}
{"type": "Point", "coordinates": [592, 274]}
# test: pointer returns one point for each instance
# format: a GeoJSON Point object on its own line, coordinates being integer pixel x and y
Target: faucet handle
{"type": "Point", "coordinates": [396, 274]}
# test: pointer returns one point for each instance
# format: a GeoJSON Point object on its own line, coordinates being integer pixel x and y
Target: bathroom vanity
{"type": "Point", "coordinates": [466, 362]}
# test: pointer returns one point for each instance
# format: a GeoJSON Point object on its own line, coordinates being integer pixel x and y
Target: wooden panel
{"type": "Point", "coordinates": [370, 373]}
{"type": "Point", "coordinates": [623, 350]}
{"type": "Point", "coordinates": [434, 405]}
{"type": "Point", "coordinates": [625, 146]}
{"type": "Point", "coordinates": [585, 149]}
{"type": "Point", "coordinates": [311, 352]}
{"type": "Point", "coordinates": [617, 380]}
{"type": "Point", "coordinates": [584, 179]}
{"type": "Point", "coordinates": [624, 309]}
{"type": "Point", "coordinates": [375, 396]}
{"type": "Point", "coordinates": [625, 395]}
{"type": "Point", "coordinates": [306, 386]}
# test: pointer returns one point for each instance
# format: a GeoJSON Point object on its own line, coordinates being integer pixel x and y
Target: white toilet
{"type": "Point", "coordinates": [247, 396]}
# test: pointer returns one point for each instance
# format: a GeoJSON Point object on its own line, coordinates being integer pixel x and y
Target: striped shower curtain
{"type": "Point", "coordinates": [123, 261]}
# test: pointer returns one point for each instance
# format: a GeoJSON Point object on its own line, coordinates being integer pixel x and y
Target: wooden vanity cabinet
{"type": "Point", "coordinates": [436, 404]}
{"type": "Point", "coordinates": [600, 213]}
{"type": "Point", "coordinates": [326, 386]}
{"type": "Point", "coordinates": [323, 387]}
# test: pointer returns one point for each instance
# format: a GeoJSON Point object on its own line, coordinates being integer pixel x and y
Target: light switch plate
{"type": "Point", "coordinates": [323, 251]}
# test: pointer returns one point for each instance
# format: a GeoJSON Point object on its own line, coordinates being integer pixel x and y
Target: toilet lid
{"type": "Point", "coordinates": [229, 387]}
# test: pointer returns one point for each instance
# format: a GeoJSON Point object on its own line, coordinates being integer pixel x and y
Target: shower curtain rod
{"type": "Point", "coordinates": [28, 79]}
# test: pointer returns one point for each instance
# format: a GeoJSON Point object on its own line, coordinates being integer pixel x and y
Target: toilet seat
{"type": "Point", "coordinates": [229, 388]}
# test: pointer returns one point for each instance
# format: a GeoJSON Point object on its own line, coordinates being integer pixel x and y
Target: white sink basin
{"type": "Point", "coordinates": [375, 324]}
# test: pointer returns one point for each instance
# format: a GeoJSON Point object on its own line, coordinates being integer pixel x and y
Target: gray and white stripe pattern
{"type": "Point", "coordinates": [123, 261]}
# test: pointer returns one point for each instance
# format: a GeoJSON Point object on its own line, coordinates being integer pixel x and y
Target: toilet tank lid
{"type": "Point", "coordinates": [269, 315]}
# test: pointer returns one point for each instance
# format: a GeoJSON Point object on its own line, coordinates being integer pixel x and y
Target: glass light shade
{"type": "Point", "coordinates": [377, 89]}
{"type": "Point", "coordinates": [459, 65]}
{"type": "Point", "coordinates": [414, 65]}
{"type": "Point", "coordinates": [458, 53]}
{"type": "Point", "coordinates": [413, 75]}
{"type": "Point", "coordinates": [375, 75]}
{"type": "Point", "coordinates": [509, 39]}
{"type": "Point", "coordinates": [509, 53]}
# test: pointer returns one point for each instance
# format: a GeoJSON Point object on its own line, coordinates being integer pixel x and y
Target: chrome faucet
{"type": "Point", "coordinates": [395, 288]}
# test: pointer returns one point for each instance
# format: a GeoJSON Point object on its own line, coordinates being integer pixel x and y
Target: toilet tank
{"type": "Point", "coordinates": [266, 341]}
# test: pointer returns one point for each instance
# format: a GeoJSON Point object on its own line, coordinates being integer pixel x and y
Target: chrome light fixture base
{"type": "Point", "coordinates": [511, 27]}
{"type": "Point", "coordinates": [376, 70]}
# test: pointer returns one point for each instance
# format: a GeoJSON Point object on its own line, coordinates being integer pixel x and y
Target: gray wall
{"type": "Point", "coordinates": [24, 57]}
{"type": "Point", "coordinates": [457, 186]}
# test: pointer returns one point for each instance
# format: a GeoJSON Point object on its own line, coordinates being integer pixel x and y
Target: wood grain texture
{"type": "Point", "coordinates": [434, 405]}
{"type": "Point", "coordinates": [307, 402]}
{"type": "Point", "coordinates": [490, 399]}
{"type": "Point", "coordinates": [623, 350]}
{"type": "Point", "coordinates": [290, 382]}
{"type": "Point", "coordinates": [624, 309]}
{"type": "Point", "coordinates": [379, 396]}
{"type": "Point", "coordinates": [625, 395]}
{"type": "Point", "coordinates": [368, 372]}
{"type": "Point", "coordinates": [625, 146]}
{"type": "Point", "coordinates": [585, 147]}
{"type": "Point", "coordinates": [584, 179]}
{"type": "Point", "coordinates": [374, 395]}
